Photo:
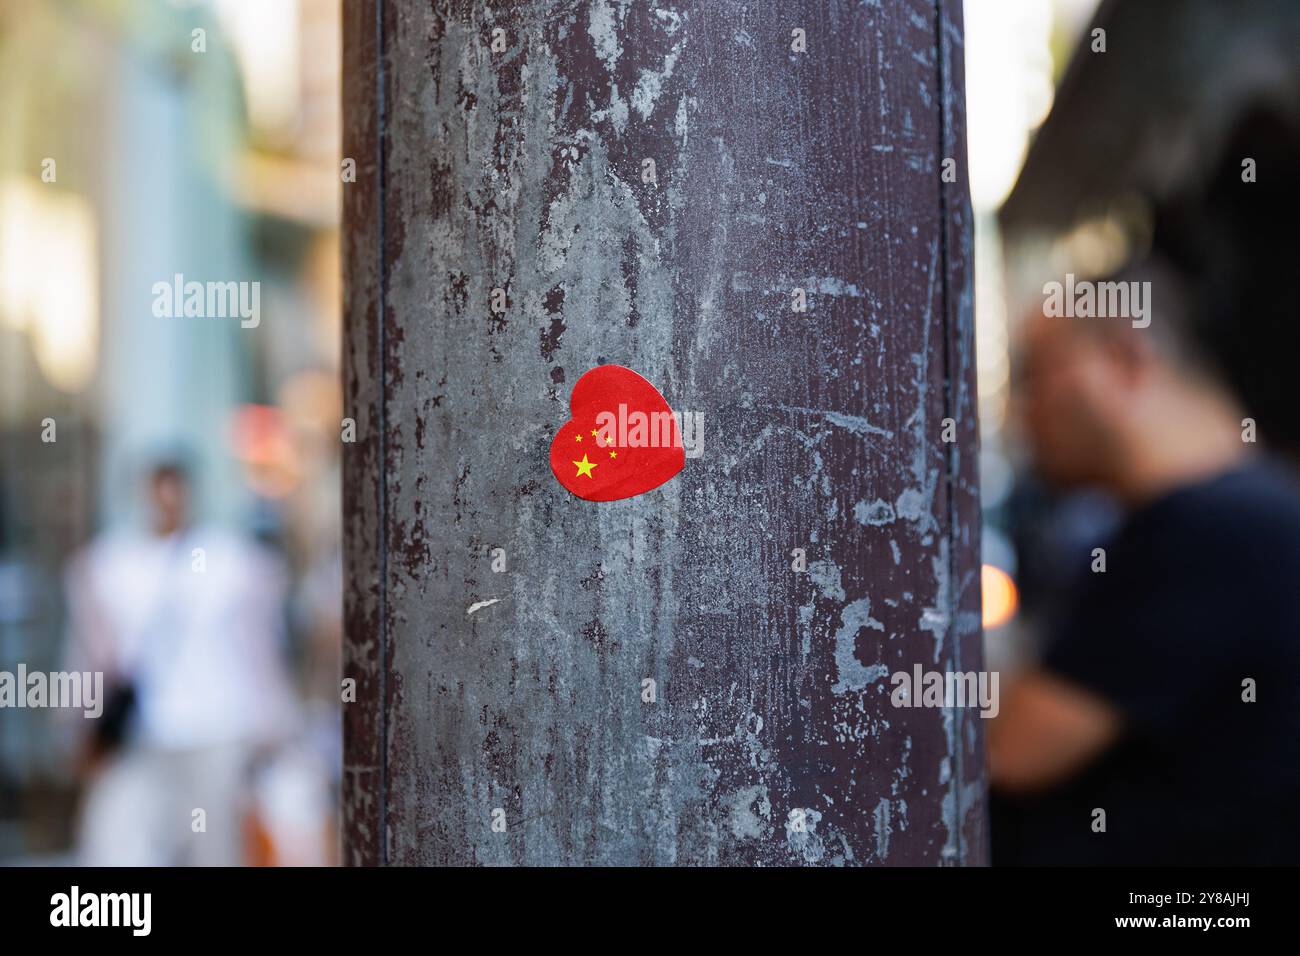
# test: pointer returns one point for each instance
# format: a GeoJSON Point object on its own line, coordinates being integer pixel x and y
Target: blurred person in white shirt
{"type": "Point", "coordinates": [186, 622]}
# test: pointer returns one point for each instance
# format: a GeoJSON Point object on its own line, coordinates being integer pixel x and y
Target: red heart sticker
{"type": "Point", "coordinates": [623, 439]}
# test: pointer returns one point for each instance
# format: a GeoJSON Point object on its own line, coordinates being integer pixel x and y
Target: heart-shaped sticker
{"type": "Point", "coordinates": [623, 439]}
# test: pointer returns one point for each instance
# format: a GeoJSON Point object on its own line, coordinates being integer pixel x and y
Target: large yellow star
{"type": "Point", "coordinates": [584, 468]}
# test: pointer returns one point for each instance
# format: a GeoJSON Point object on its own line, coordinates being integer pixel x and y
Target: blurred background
{"type": "Point", "coordinates": [1097, 131]}
{"type": "Point", "coordinates": [222, 164]}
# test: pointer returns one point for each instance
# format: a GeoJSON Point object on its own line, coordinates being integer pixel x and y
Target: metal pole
{"type": "Point", "coordinates": [762, 209]}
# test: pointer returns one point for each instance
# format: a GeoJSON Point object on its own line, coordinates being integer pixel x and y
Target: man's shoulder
{"type": "Point", "coordinates": [1257, 504]}
{"type": "Point", "coordinates": [110, 547]}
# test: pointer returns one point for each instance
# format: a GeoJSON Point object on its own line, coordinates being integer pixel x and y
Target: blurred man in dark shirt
{"type": "Point", "coordinates": [1169, 699]}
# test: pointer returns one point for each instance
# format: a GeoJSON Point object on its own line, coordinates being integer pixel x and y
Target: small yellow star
{"type": "Point", "coordinates": [613, 454]}
{"type": "Point", "coordinates": [577, 438]}
{"type": "Point", "coordinates": [584, 468]}
{"type": "Point", "coordinates": [593, 433]}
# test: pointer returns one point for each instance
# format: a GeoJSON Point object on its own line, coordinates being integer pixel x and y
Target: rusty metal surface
{"type": "Point", "coordinates": [363, 662]}
{"type": "Point", "coordinates": [775, 170]}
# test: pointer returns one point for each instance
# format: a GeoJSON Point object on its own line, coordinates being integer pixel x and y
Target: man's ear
{"type": "Point", "coordinates": [1132, 353]}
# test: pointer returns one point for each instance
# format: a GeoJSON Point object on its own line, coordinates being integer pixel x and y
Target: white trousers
{"type": "Point", "coordinates": [141, 810]}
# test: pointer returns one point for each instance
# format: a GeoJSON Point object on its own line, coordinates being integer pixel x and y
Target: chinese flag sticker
{"type": "Point", "coordinates": [623, 439]}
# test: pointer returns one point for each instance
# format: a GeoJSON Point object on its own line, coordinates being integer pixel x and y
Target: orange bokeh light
{"type": "Point", "coordinates": [1000, 596]}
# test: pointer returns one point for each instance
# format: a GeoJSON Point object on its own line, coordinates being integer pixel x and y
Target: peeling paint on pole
{"type": "Point", "coordinates": [650, 185]}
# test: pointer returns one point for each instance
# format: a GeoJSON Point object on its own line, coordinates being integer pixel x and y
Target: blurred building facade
{"type": "Point", "coordinates": [1016, 53]}
{"type": "Point", "coordinates": [142, 140]}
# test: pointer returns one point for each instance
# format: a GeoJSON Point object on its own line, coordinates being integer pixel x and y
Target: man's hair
{"type": "Point", "coordinates": [170, 462]}
{"type": "Point", "coordinates": [1174, 328]}
{"type": "Point", "coordinates": [169, 469]}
